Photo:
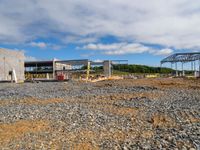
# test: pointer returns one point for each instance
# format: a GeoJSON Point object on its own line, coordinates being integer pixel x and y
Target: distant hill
{"type": "Point", "coordinates": [126, 69]}
{"type": "Point", "coordinates": [141, 69]}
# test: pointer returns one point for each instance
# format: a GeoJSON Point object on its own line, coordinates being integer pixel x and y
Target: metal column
{"type": "Point", "coordinates": [176, 70]}
{"type": "Point", "coordinates": [183, 72]}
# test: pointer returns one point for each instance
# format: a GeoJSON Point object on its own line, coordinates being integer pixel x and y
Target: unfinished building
{"type": "Point", "coordinates": [183, 58]}
{"type": "Point", "coordinates": [54, 69]}
{"type": "Point", "coordinates": [11, 65]}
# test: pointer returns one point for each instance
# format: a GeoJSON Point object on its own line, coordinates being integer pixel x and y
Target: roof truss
{"type": "Point", "coordinates": [182, 57]}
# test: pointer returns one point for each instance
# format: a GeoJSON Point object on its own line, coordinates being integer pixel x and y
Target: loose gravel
{"type": "Point", "coordinates": [104, 115]}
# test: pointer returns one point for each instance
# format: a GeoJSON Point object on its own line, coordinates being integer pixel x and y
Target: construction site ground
{"type": "Point", "coordinates": [112, 114]}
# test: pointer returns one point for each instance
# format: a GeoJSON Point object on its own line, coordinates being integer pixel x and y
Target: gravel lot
{"type": "Point", "coordinates": [117, 114]}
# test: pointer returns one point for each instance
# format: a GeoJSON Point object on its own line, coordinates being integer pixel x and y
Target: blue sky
{"type": "Point", "coordinates": [140, 31]}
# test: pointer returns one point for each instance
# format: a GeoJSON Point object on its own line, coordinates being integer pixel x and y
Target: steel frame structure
{"type": "Point", "coordinates": [183, 58]}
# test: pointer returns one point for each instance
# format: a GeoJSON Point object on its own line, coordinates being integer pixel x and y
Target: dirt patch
{"type": "Point", "coordinates": [158, 82]}
{"type": "Point", "coordinates": [42, 102]}
{"type": "Point", "coordinates": [85, 146]}
{"type": "Point", "coordinates": [16, 130]}
{"type": "Point", "coordinates": [116, 135]}
{"type": "Point", "coordinates": [194, 120]}
{"type": "Point", "coordinates": [160, 120]}
{"type": "Point", "coordinates": [89, 140]}
{"type": "Point", "coordinates": [129, 96]}
{"type": "Point", "coordinates": [147, 134]}
{"type": "Point", "coordinates": [122, 111]}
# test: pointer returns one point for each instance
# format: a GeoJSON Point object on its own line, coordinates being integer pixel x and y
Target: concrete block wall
{"type": "Point", "coordinates": [11, 59]}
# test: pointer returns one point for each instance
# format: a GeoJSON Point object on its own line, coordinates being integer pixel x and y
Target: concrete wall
{"type": "Point", "coordinates": [62, 66]}
{"type": "Point", "coordinates": [107, 68]}
{"type": "Point", "coordinates": [10, 59]}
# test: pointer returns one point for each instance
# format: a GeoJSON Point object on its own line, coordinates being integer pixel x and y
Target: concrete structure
{"type": "Point", "coordinates": [11, 60]}
{"type": "Point", "coordinates": [51, 69]}
{"type": "Point", "coordinates": [107, 68]}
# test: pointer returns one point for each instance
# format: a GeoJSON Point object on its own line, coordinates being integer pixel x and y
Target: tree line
{"type": "Point", "coordinates": [141, 69]}
{"type": "Point", "coordinates": [132, 68]}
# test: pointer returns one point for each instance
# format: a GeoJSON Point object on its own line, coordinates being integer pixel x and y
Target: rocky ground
{"type": "Point", "coordinates": [120, 114]}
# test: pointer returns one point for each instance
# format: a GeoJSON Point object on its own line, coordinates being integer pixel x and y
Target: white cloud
{"type": "Point", "coordinates": [79, 40]}
{"type": "Point", "coordinates": [126, 48]}
{"type": "Point", "coordinates": [55, 47]}
{"type": "Point", "coordinates": [44, 45]}
{"type": "Point", "coordinates": [30, 58]}
{"type": "Point", "coordinates": [118, 48]}
{"type": "Point", "coordinates": [38, 44]}
{"type": "Point", "coordinates": [98, 60]}
{"type": "Point", "coordinates": [164, 52]}
{"type": "Point", "coordinates": [171, 23]}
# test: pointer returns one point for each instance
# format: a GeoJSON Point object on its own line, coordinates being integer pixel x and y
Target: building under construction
{"type": "Point", "coordinates": [180, 59]}
{"type": "Point", "coordinates": [63, 69]}
{"type": "Point", "coordinates": [14, 68]}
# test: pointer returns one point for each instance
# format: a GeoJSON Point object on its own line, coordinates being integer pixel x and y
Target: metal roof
{"type": "Point", "coordinates": [74, 62]}
{"type": "Point", "coordinates": [50, 62]}
{"type": "Point", "coordinates": [182, 57]}
{"type": "Point", "coordinates": [38, 63]}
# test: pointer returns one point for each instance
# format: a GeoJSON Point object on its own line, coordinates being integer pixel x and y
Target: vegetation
{"type": "Point", "coordinates": [141, 69]}
{"type": "Point", "coordinates": [127, 69]}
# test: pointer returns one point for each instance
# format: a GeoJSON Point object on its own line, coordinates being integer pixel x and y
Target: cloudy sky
{"type": "Point", "coordinates": [141, 31]}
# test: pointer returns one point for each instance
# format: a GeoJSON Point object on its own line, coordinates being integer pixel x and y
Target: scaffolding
{"type": "Point", "coordinates": [193, 58]}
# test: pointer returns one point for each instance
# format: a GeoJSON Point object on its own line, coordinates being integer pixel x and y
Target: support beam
{"type": "Point", "coordinates": [107, 68]}
{"type": "Point", "coordinates": [183, 72]}
{"type": "Point", "coordinates": [176, 70]}
{"type": "Point", "coordinates": [172, 69]}
{"type": "Point", "coordinates": [88, 71]}
{"type": "Point", "coordinates": [191, 66]}
{"type": "Point", "coordinates": [54, 69]}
